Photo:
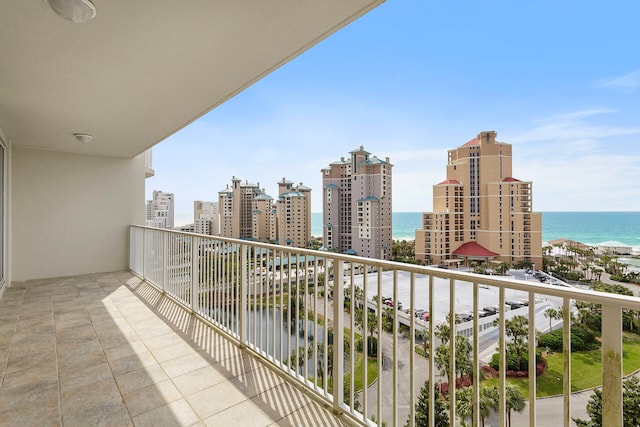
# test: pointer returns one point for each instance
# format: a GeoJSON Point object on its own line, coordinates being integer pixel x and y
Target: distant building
{"type": "Point", "coordinates": [245, 212]}
{"type": "Point", "coordinates": [614, 247]}
{"type": "Point", "coordinates": [293, 214]}
{"type": "Point", "coordinates": [263, 228]}
{"type": "Point", "coordinates": [160, 210]}
{"type": "Point", "coordinates": [206, 218]}
{"type": "Point", "coordinates": [480, 211]}
{"type": "Point", "coordinates": [356, 214]}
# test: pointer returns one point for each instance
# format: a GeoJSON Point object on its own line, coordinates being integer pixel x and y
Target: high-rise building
{"type": "Point", "coordinates": [293, 214]}
{"type": "Point", "coordinates": [206, 219]}
{"type": "Point", "coordinates": [245, 212]}
{"type": "Point", "coordinates": [356, 214]}
{"type": "Point", "coordinates": [160, 210]}
{"type": "Point", "coordinates": [480, 211]}
{"type": "Point", "coordinates": [263, 229]}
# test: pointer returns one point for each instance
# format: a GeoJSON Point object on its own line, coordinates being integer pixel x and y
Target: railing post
{"type": "Point", "coordinates": [338, 336]}
{"type": "Point", "coordinates": [194, 274]}
{"type": "Point", "coordinates": [566, 352]}
{"type": "Point", "coordinates": [612, 366]}
{"type": "Point", "coordinates": [242, 311]}
{"type": "Point", "coordinates": [165, 253]}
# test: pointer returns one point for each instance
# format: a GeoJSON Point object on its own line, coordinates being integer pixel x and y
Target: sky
{"type": "Point", "coordinates": [560, 81]}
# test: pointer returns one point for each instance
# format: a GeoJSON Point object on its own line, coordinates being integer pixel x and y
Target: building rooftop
{"type": "Point", "coordinates": [473, 249]}
{"type": "Point", "coordinates": [108, 349]}
{"type": "Point", "coordinates": [474, 141]}
{"type": "Point", "coordinates": [511, 179]}
{"type": "Point", "coordinates": [449, 181]}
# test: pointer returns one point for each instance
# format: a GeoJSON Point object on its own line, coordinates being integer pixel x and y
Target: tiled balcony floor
{"type": "Point", "coordinates": [106, 349]}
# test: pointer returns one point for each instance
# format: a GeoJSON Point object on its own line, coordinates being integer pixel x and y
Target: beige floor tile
{"type": "Point", "coordinates": [215, 399]}
{"type": "Point", "coordinates": [31, 416]}
{"type": "Point", "coordinates": [78, 397]}
{"type": "Point", "coordinates": [43, 372]}
{"type": "Point", "coordinates": [310, 415]}
{"type": "Point", "coordinates": [132, 363]}
{"type": "Point", "coordinates": [182, 365]}
{"type": "Point", "coordinates": [68, 364]}
{"type": "Point", "coordinates": [132, 347]}
{"type": "Point", "coordinates": [245, 414]}
{"type": "Point", "coordinates": [108, 413]}
{"type": "Point", "coordinates": [177, 413]}
{"type": "Point", "coordinates": [20, 361]}
{"type": "Point", "coordinates": [149, 398]}
{"type": "Point", "coordinates": [280, 401]}
{"type": "Point", "coordinates": [164, 340]}
{"type": "Point", "coordinates": [141, 378]}
{"type": "Point", "coordinates": [173, 351]}
{"type": "Point", "coordinates": [200, 379]}
{"type": "Point", "coordinates": [80, 377]}
{"type": "Point", "coordinates": [42, 393]}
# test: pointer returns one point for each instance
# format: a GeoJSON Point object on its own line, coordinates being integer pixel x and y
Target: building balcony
{"type": "Point", "coordinates": [244, 292]}
{"type": "Point", "coordinates": [110, 349]}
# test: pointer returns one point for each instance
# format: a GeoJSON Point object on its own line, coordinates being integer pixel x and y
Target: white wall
{"type": "Point", "coordinates": [71, 212]}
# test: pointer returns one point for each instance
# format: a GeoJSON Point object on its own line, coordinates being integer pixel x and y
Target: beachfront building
{"type": "Point", "coordinates": [160, 210]}
{"type": "Point", "coordinates": [293, 214]}
{"type": "Point", "coordinates": [480, 211]}
{"type": "Point", "coordinates": [263, 228]}
{"type": "Point", "coordinates": [245, 211]}
{"type": "Point", "coordinates": [614, 247]}
{"type": "Point", "coordinates": [356, 211]}
{"type": "Point", "coordinates": [206, 218]}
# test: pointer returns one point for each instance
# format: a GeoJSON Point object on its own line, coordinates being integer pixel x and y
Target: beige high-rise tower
{"type": "Point", "coordinates": [356, 214]}
{"type": "Point", "coordinates": [481, 212]}
{"type": "Point", "coordinates": [293, 214]}
{"type": "Point", "coordinates": [243, 214]}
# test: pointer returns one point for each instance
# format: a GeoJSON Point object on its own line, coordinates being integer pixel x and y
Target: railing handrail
{"type": "Point", "coordinates": [597, 297]}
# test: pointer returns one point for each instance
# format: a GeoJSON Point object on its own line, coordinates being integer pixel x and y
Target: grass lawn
{"type": "Point", "coordinates": [585, 369]}
{"type": "Point", "coordinates": [358, 379]}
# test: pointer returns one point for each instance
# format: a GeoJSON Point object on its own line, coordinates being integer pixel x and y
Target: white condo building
{"type": "Point", "coordinates": [160, 210]}
{"type": "Point", "coordinates": [206, 218]}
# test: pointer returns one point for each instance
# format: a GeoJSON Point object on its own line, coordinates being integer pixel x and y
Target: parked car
{"type": "Point", "coordinates": [419, 313]}
{"type": "Point", "coordinates": [484, 313]}
{"type": "Point", "coordinates": [465, 316]}
{"type": "Point", "coordinates": [425, 316]}
{"type": "Point", "coordinates": [491, 309]}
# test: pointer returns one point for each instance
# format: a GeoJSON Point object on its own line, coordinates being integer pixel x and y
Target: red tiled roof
{"type": "Point", "coordinates": [473, 249]}
{"type": "Point", "coordinates": [449, 181]}
{"type": "Point", "coordinates": [474, 141]}
{"type": "Point", "coordinates": [511, 179]}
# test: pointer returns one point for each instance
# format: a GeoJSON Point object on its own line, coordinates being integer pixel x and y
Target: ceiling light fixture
{"type": "Point", "coordinates": [78, 11]}
{"type": "Point", "coordinates": [83, 137]}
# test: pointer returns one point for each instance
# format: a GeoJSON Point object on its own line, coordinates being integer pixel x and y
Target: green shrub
{"type": "Point", "coordinates": [582, 338]}
{"type": "Point", "coordinates": [512, 361]}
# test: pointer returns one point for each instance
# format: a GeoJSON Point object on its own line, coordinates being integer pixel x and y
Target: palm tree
{"type": "Point", "coordinates": [514, 401]}
{"type": "Point", "coordinates": [552, 313]}
{"type": "Point", "coordinates": [488, 402]}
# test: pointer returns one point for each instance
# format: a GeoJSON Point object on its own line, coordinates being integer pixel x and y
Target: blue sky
{"type": "Point", "coordinates": [414, 78]}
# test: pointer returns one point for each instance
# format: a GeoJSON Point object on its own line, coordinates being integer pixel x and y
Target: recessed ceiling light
{"type": "Point", "coordinates": [83, 137]}
{"type": "Point", "coordinates": [78, 11]}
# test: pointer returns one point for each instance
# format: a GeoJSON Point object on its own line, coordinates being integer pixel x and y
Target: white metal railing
{"type": "Point", "coordinates": [289, 306]}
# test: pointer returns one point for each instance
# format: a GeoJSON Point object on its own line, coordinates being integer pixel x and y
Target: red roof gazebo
{"type": "Point", "coordinates": [472, 250]}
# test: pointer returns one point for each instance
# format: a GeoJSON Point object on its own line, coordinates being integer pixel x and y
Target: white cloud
{"type": "Point", "coordinates": [577, 164]}
{"type": "Point", "coordinates": [630, 81]}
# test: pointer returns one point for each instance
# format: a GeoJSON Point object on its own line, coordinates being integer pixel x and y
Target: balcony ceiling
{"type": "Point", "coordinates": [141, 70]}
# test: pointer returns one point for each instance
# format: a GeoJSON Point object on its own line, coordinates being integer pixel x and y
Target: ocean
{"type": "Point", "coordinates": [585, 227]}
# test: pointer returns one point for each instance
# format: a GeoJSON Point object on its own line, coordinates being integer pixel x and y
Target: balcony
{"type": "Point", "coordinates": [109, 349]}
{"type": "Point", "coordinates": [278, 305]}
